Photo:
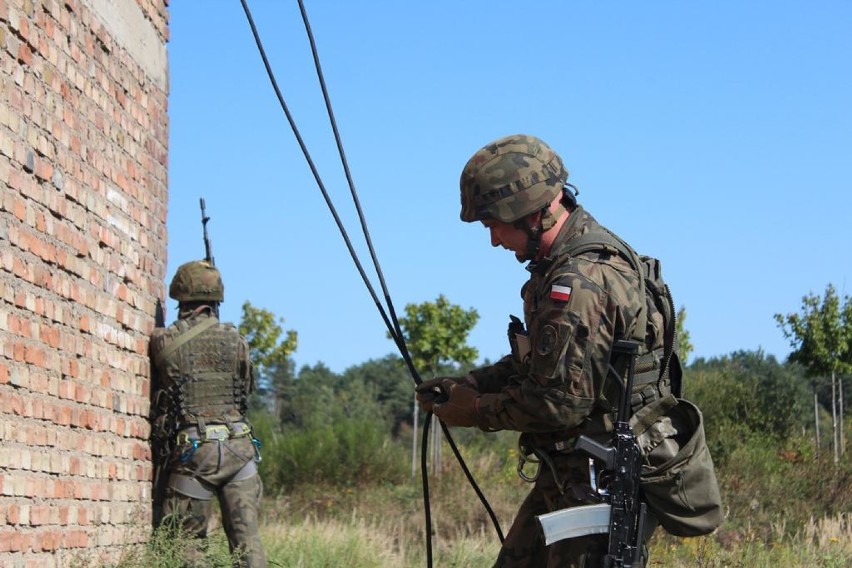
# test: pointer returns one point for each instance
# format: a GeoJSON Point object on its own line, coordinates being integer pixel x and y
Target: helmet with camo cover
{"type": "Point", "coordinates": [510, 178]}
{"type": "Point", "coordinates": [197, 281]}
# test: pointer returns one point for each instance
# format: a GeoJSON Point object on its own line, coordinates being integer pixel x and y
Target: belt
{"type": "Point", "coordinates": [214, 432]}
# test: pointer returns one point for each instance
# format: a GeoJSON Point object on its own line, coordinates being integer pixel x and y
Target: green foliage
{"type": "Point", "coordinates": [436, 333]}
{"type": "Point", "coordinates": [279, 399]}
{"type": "Point", "coordinates": [685, 345]}
{"type": "Point", "coordinates": [747, 394]}
{"type": "Point", "coordinates": [391, 384]}
{"type": "Point", "coordinates": [768, 478]}
{"type": "Point", "coordinates": [339, 442]}
{"type": "Point", "coordinates": [311, 396]}
{"type": "Point", "coordinates": [170, 547]}
{"type": "Point", "coordinates": [821, 334]}
{"type": "Point", "coordinates": [263, 333]}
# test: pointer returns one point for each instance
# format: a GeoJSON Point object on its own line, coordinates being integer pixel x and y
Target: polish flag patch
{"type": "Point", "coordinates": [561, 293]}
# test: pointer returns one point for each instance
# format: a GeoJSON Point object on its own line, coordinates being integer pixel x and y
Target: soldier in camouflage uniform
{"type": "Point", "coordinates": [203, 375]}
{"type": "Point", "coordinates": [556, 385]}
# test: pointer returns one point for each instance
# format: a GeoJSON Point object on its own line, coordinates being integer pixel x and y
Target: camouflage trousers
{"type": "Point", "coordinates": [216, 468]}
{"type": "Point", "coordinates": [524, 545]}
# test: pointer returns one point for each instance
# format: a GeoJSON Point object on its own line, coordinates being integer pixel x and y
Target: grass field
{"type": "Point", "coordinates": [778, 514]}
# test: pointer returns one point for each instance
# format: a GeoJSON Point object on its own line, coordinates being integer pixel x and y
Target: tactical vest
{"type": "Point", "coordinates": [658, 371]}
{"type": "Point", "coordinates": [205, 374]}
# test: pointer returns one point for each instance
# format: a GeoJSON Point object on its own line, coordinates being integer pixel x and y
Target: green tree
{"type": "Point", "coordinates": [821, 337]}
{"type": "Point", "coordinates": [314, 396]}
{"type": "Point", "coordinates": [282, 380]}
{"type": "Point", "coordinates": [436, 334]}
{"type": "Point", "coordinates": [748, 397]}
{"type": "Point", "coordinates": [269, 351]}
{"type": "Point", "coordinates": [686, 346]}
{"type": "Point", "coordinates": [390, 384]}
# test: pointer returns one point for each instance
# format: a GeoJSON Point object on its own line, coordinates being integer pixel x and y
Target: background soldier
{"type": "Point", "coordinates": [203, 375]}
{"type": "Point", "coordinates": [557, 384]}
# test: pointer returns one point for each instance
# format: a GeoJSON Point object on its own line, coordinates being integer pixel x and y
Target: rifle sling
{"type": "Point", "coordinates": [182, 339]}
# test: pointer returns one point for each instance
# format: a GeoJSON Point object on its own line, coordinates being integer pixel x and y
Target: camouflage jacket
{"type": "Point", "coordinates": [205, 380]}
{"type": "Point", "coordinates": [574, 308]}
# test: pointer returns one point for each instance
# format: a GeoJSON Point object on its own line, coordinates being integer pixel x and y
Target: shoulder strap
{"type": "Point", "coordinates": [607, 241]}
{"type": "Point", "coordinates": [669, 352]}
{"type": "Point", "coordinates": [182, 339]}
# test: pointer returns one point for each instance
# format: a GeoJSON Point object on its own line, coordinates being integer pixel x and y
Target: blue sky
{"type": "Point", "coordinates": [716, 136]}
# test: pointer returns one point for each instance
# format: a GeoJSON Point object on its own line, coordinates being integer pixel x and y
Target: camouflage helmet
{"type": "Point", "coordinates": [510, 178]}
{"type": "Point", "coordinates": [197, 281]}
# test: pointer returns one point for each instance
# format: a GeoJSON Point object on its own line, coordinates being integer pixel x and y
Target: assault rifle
{"type": "Point", "coordinates": [208, 249]}
{"type": "Point", "coordinates": [622, 513]}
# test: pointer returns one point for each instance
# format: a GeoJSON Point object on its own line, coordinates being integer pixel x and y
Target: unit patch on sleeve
{"type": "Point", "coordinates": [547, 341]}
{"type": "Point", "coordinates": [560, 293]}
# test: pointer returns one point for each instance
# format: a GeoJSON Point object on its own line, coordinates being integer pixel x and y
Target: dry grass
{"type": "Point", "coordinates": [384, 526]}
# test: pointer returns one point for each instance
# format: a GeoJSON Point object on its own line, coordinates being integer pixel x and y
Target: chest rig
{"type": "Point", "coordinates": [207, 383]}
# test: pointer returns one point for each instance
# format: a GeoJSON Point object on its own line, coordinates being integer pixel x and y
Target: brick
{"type": "Point", "coordinates": [50, 540]}
{"type": "Point", "coordinates": [25, 54]}
{"type": "Point", "coordinates": [13, 514]}
{"type": "Point", "coordinates": [78, 380]}
{"type": "Point", "coordinates": [39, 515]}
{"type": "Point", "coordinates": [10, 541]}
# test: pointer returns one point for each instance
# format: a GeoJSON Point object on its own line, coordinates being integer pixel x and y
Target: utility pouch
{"type": "Point", "coordinates": [519, 340]}
{"type": "Point", "coordinates": [677, 479]}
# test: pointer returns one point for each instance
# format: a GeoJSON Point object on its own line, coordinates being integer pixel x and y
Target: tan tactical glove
{"type": "Point", "coordinates": [430, 392]}
{"type": "Point", "coordinates": [461, 406]}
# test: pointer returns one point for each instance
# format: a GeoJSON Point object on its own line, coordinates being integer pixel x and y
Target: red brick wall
{"type": "Point", "coordinates": [83, 196]}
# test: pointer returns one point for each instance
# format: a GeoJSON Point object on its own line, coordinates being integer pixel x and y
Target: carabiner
{"type": "Point", "coordinates": [525, 457]}
{"type": "Point", "coordinates": [184, 457]}
{"type": "Point", "coordinates": [257, 445]}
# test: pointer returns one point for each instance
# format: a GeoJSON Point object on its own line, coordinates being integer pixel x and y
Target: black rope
{"type": "Point", "coordinates": [391, 323]}
{"type": "Point", "coordinates": [315, 173]}
{"type": "Point", "coordinates": [404, 350]}
{"type": "Point", "coordinates": [424, 476]}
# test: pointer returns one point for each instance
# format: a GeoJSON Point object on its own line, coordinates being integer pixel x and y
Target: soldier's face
{"type": "Point", "coordinates": [507, 236]}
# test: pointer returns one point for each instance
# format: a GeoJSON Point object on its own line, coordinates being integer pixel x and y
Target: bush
{"type": "Point", "coordinates": [343, 451]}
{"type": "Point", "coordinates": [747, 398]}
{"type": "Point", "coordinates": [771, 490]}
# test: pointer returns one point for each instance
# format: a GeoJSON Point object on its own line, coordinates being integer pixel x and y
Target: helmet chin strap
{"type": "Point", "coordinates": [547, 220]}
